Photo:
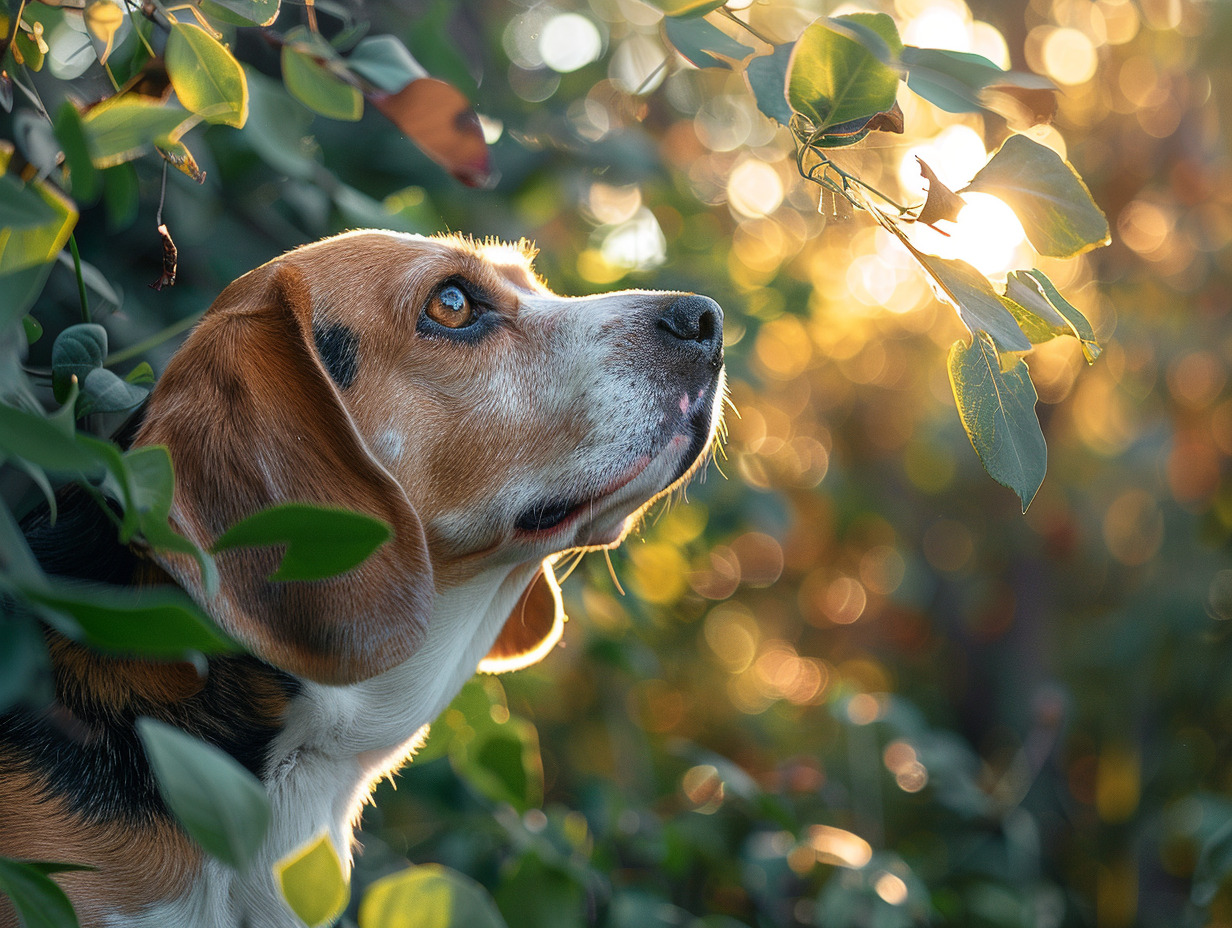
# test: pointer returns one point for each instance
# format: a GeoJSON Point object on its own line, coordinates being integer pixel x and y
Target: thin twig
{"type": "Point", "coordinates": [740, 22]}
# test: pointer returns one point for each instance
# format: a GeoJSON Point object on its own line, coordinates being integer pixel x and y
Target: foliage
{"type": "Point", "coordinates": [846, 688]}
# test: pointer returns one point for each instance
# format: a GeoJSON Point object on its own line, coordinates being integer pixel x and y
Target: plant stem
{"type": "Point", "coordinates": [153, 341]}
{"type": "Point", "coordinates": [81, 281]}
{"type": "Point", "coordinates": [745, 26]}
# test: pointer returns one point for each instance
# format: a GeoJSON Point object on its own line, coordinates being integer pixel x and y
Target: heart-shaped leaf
{"type": "Point", "coordinates": [844, 68]}
{"type": "Point", "coordinates": [313, 882]}
{"type": "Point", "coordinates": [77, 350]}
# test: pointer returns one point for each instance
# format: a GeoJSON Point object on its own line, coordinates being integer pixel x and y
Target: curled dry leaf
{"type": "Point", "coordinates": [942, 202]}
{"type": "Point", "coordinates": [438, 118]}
{"type": "Point", "coordinates": [170, 260]}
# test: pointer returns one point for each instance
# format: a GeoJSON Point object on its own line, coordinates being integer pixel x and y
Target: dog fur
{"type": "Point", "coordinates": [336, 375]}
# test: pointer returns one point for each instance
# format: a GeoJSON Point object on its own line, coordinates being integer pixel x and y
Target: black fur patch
{"type": "Point", "coordinates": [85, 748]}
{"type": "Point", "coordinates": [338, 347]}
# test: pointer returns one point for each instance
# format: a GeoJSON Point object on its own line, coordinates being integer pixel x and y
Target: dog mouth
{"type": "Point", "coordinates": [693, 424]}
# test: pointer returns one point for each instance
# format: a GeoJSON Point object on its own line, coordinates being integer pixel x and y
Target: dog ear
{"type": "Point", "coordinates": [252, 419]}
{"type": "Point", "coordinates": [532, 629]}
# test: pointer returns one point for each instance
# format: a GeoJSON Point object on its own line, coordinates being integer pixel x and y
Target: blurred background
{"type": "Point", "coordinates": [848, 682]}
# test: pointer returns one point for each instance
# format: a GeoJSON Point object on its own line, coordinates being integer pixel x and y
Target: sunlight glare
{"type": "Point", "coordinates": [637, 244]}
{"type": "Point", "coordinates": [754, 189]}
{"type": "Point", "coordinates": [940, 27]}
{"type": "Point", "coordinates": [955, 155]}
{"type": "Point", "coordinates": [569, 41]}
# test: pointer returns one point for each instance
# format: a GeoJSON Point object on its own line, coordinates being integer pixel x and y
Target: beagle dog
{"type": "Point", "coordinates": [435, 383]}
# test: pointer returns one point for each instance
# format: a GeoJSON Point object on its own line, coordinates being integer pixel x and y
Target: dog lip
{"type": "Point", "coordinates": [552, 514]}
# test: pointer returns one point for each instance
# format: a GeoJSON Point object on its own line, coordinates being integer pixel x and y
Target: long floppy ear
{"type": "Point", "coordinates": [251, 419]}
{"type": "Point", "coordinates": [532, 629]}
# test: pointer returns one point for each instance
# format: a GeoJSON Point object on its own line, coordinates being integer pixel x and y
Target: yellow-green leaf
{"type": "Point", "coordinates": [312, 881]}
{"type": "Point", "coordinates": [206, 77]}
{"type": "Point", "coordinates": [103, 20]}
{"type": "Point", "coordinates": [124, 127]}
{"type": "Point", "coordinates": [313, 84]}
{"type": "Point", "coordinates": [429, 896]}
{"type": "Point", "coordinates": [40, 241]}
{"type": "Point", "coordinates": [843, 69]}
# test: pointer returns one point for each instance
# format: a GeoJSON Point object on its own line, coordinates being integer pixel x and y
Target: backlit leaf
{"type": "Point", "coordinates": [428, 896]}
{"type": "Point", "coordinates": [687, 8]}
{"type": "Point", "coordinates": [126, 126]}
{"type": "Point", "coordinates": [314, 84]}
{"type": "Point", "coordinates": [997, 409]}
{"type": "Point", "coordinates": [1056, 210]}
{"type": "Point", "coordinates": [1033, 291]}
{"type": "Point", "coordinates": [766, 76]}
{"type": "Point", "coordinates": [103, 20]}
{"type": "Point", "coordinates": [25, 247]}
{"type": "Point", "coordinates": [844, 68]}
{"type": "Point", "coordinates": [222, 806]}
{"type": "Point", "coordinates": [242, 12]}
{"type": "Point", "coordinates": [941, 203]}
{"type": "Point", "coordinates": [700, 42]}
{"type": "Point", "coordinates": [206, 77]}
{"type": "Point", "coordinates": [313, 883]}
{"type": "Point", "coordinates": [972, 296]}
{"type": "Point", "coordinates": [438, 118]}
{"type": "Point", "coordinates": [320, 542]}
{"type": "Point", "coordinates": [503, 763]}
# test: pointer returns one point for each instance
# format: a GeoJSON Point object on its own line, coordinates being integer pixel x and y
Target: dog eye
{"type": "Point", "coordinates": [451, 308]}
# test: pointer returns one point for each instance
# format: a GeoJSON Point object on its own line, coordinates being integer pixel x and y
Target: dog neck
{"type": "Point", "coordinates": [338, 741]}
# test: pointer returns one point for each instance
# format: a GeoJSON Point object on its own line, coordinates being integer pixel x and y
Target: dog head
{"type": "Point", "coordinates": [438, 385]}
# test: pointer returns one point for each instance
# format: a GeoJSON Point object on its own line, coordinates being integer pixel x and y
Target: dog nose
{"type": "Point", "coordinates": [696, 322]}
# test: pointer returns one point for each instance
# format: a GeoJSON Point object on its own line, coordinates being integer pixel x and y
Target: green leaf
{"type": "Point", "coordinates": [222, 806]}
{"type": "Point", "coordinates": [699, 42]}
{"type": "Point", "coordinates": [544, 894]}
{"type": "Point", "coordinates": [312, 83]}
{"type": "Point", "coordinates": [428, 896]}
{"type": "Point", "coordinates": [142, 373]}
{"type": "Point", "coordinates": [23, 658]}
{"type": "Point", "coordinates": [972, 296]}
{"type": "Point", "coordinates": [242, 12]}
{"type": "Point", "coordinates": [766, 76]}
{"type": "Point", "coordinates": [21, 289]}
{"type": "Point", "coordinates": [997, 409]}
{"type": "Point", "coordinates": [686, 9]}
{"type": "Point", "coordinates": [125, 126]}
{"type": "Point", "coordinates": [503, 763]}
{"type": "Point", "coordinates": [206, 77]}
{"type": "Point", "coordinates": [148, 480]}
{"type": "Point", "coordinates": [385, 62]}
{"type": "Point", "coordinates": [39, 441]}
{"type": "Point", "coordinates": [320, 541]}
{"type": "Point", "coordinates": [844, 68]}
{"type": "Point", "coordinates": [39, 902]}
{"type": "Point", "coordinates": [84, 180]}
{"type": "Point", "coordinates": [276, 129]}
{"type": "Point", "coordinates": [1035, 294]}
{"type": "Point", "coordinates": [32, 328]}
{"type": "Point", "coordinates": [24, 246]}
{"type": "Point", "coordinates": [121, 196]}
{"type": "Point", "coordinates": [20, 205]}
{"type": "Point", "coordinates": [1056, 210]}
{"type": "Point", "coordinates": [77, 350]}
{"type": "Point", "coordinates": [313, 882]}
{"type": "Point", "coordinates": [948, 79]}
{"type": "Point", "coordinates": [104, 391]}
{"type": "Point", "coordinates": [156, 622]}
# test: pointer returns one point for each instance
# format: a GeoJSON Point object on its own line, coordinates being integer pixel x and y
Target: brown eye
{"type": "Point", "coordinates": [451, 308]}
